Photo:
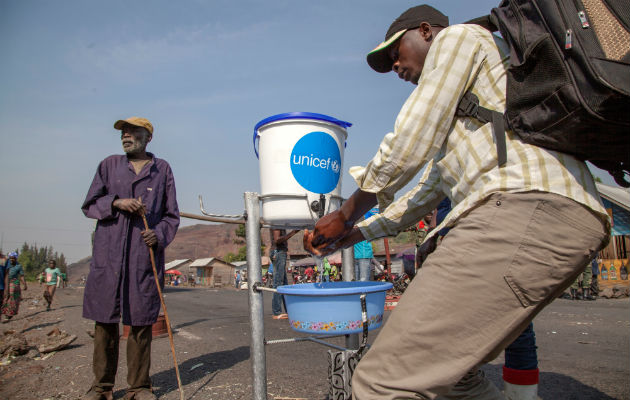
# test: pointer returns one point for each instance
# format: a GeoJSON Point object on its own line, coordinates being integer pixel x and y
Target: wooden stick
{"type": "Point", "coordinates": [168, 322]}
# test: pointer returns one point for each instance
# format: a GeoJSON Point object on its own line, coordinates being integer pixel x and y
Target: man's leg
{"type": "Point", "coordinates": [587, 276]}
{"type": "Point", "coordinates": [520, 372]}
{"type": "Point", "coordinates": [139, 358]}
{"type": "Point", "coordinates": [496, 269]}
{"type": "Point", "coordinates": [105, 358]}
{"type": "Point", "coordinates": [51, 294]}
{"type": "Point", "coordinates": [279, 278]}
{"type": "Point", "coordinates": [364, 269]}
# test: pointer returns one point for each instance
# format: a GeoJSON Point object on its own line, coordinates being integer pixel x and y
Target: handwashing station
{"type": "Point", "coordinates": [301, 158]}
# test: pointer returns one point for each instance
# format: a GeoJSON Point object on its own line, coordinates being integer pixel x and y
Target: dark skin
{"type": "Point", "coordinates": [12, 261]}
{"type": "Point", "coordinates": [134, 141]}
{"type": "Point", "coordinates": [336, 230]}
{"type": "Point", "coordinates": [277, 238]}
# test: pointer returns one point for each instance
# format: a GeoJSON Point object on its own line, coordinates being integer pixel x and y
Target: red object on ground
{"type": "Point", "coordinates": [158, 329]}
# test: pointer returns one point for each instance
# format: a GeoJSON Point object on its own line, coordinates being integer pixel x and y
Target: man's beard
{"type": "Point", "coordinates": [137, 147]}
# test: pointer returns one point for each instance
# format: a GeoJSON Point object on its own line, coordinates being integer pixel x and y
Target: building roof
{"type": "Point", "coordinates": [175, 264]}
{"type": "Point", "coordinates": [617, 195]}
{"type": "Point", "coordinates": [617, 201]}
{"type": "Point", "coordinates": [202, 262]}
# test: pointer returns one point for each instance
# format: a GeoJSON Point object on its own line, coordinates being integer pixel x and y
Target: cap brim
{"type": "Point", "coordinates": [119, 124]}
{"type": "Point", "coordinates": [378, 59]}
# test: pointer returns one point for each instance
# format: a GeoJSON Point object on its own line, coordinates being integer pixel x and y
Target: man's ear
{"type": "Point", "coordinates": [149, 137]}
{"type": "Point", "coordinates": [425, 31]}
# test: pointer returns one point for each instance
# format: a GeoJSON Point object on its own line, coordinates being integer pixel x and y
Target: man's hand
{"type": "Point", "coordinates": [129, 205]}
{"type": "Point", "coordinates": [425, 249]}
{"type": "Point", "coordinates": [149, 237]}
{"type": "Point", "coordinates": [328, 230]}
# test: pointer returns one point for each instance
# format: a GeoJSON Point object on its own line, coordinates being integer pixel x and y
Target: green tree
{"type": "Point", "coordinates": [240, 234]}
{"type": "Point", "coordinates": [34, 260]}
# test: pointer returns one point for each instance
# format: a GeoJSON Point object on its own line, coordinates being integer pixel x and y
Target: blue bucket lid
{"type": "Point", "coordinates": [297, 115]}
{"type": "Point", "coordinates": [334, 288]}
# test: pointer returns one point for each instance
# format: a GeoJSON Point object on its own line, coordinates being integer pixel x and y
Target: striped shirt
{"type": "Point", "coordinates": [459, 152]}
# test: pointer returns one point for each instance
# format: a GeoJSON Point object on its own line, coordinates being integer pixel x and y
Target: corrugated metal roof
{"type": "Point", "coordinates": [617, 200]}
{"type": "Point", "coordinates": [202, 262]}
{"type": "Point", "coordinates": [175, 264]}
{"type": "Point", "coordinates": [617, 195]}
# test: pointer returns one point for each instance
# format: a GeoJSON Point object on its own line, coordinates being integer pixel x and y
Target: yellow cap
{"type": "Point", "coordinates": [136, 121]}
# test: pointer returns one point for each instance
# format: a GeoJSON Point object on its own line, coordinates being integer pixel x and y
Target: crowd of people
{"type": "Point", "coordinates": [13, 281]}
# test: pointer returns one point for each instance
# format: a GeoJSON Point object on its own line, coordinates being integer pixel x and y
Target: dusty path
{"type": "Point", "coordinates": [584, 348]}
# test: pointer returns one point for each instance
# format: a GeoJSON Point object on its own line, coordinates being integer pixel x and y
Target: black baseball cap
{"type": "Point", "coordinates": [378, 58]}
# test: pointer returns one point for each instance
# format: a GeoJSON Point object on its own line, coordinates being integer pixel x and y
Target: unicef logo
{"type": "Point", "coordinates": [316, 162]}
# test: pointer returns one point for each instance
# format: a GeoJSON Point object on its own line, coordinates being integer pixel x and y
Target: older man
{"type": "Point", "coordinates": [525, 227]}
{"type": "Point", "coordinates": [121, 279]}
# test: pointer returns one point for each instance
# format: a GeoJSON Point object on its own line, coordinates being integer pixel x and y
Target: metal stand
{"type": "Point", "coordinates": [253, 224]}
{"type": "Point", "coordinates": [254, 274]}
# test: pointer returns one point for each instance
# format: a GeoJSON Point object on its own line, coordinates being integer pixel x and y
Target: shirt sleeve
{"type": "Point", "coordinates": [408, 209]}
{"type": "Point", "coordinates": [98, 202]}
{"type": "Point", "coordinates": [427, 116]}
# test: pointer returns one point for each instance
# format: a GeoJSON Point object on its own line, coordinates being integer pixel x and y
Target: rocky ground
{"type": "Point", "coordinates": [583, 350]}
{"type": "Point", "coordinates": [32, 346]}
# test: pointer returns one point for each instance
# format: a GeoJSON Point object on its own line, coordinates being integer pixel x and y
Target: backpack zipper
{"type": "Point", "coordinates": [568, 39]}
{"type": "Point", "coordinates": [583, 20]}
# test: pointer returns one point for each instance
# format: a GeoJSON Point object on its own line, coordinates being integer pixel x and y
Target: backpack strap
{"type": "Point", "coordinates": [486, 21]}
{"type": "Point", "coordinates": [469, 107]}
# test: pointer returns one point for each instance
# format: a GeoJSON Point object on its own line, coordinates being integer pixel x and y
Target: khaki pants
{"type": "Point", "coordinates": [105, 359]}
{"type": "Point", "coordinates": [498, 267]}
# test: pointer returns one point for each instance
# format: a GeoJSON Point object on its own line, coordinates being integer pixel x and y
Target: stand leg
{"type": "Point", "coordinates": [254, 274]}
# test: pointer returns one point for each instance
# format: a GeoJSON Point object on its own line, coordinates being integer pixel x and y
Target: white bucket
{"type": "Point", "coordinates": [301, 158]}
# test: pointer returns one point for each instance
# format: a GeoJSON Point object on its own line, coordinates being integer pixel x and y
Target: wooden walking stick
{"type": "Point", "coordinates": [168, 322]}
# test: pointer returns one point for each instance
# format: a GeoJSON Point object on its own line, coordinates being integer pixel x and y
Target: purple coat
{"type": "Point", "coordinates": [121, 277]}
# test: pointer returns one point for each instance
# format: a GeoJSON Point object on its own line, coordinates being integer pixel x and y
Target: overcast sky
{"type": "Point", "coordinates": [203, 72]}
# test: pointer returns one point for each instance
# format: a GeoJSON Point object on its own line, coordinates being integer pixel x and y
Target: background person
{"type": "Point", "coordinates": [13, 276]}
{"type": "Point", "coordinates": [595, 279]}
{"type": "Point", "coordinates": [583, 281]}
{"type": "Point", "coordinates": [3, 263]}
{"type": "Point", "coordinates": [53, 280]}
{"type": "Point", "coordinates": [278, 255]}
{"type": "Point", "coordinates": [363, 255]}
{"type": "Point", "coordinates": [537, 197]}
{"type": "Point", "coordinates": [121, 280]}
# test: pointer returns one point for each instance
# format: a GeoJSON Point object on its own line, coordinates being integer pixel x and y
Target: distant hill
{"type": "Point", "coordinates": [78, 270]}
{"type": "Point", "coordinates": [198, 241]}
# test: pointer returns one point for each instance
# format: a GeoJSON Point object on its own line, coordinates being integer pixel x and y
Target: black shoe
{"type": "Point", "coordinates": [587, 295]}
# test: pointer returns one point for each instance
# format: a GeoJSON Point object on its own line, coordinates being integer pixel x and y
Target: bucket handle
{"type": "Point", "coordinates": [343, 124]}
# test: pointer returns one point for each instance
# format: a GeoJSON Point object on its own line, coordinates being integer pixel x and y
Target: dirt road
{"type": "Point", "coordinates": [584, 348]}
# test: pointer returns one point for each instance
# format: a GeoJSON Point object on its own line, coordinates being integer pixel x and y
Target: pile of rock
{"type": "Point", "coordinates": [615, 292]}
{"type": "Point", "coordinates": [14, 344]}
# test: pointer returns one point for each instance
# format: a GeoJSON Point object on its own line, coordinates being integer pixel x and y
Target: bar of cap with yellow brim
{"type": "Point", "coordinates": [136, 121]}
{"type": "Point", "coordinates": [379, 59]}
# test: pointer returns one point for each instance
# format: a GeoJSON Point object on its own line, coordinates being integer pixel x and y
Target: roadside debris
{"type": "Point", "coordinates": [56, 340]}
{"type": "Point", "coordinates": [196, 366]}
{"type": "Point", "coordinates": [13, 344]}
{"type": "Point", "coordinates": [614, 292]}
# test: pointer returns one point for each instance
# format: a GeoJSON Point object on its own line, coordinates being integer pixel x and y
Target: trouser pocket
{"type": "Point", "coordinates": [554, 249]}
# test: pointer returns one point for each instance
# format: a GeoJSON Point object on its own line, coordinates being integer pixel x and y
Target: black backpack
{"type": "Point", "coordinates": [568, 84]}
